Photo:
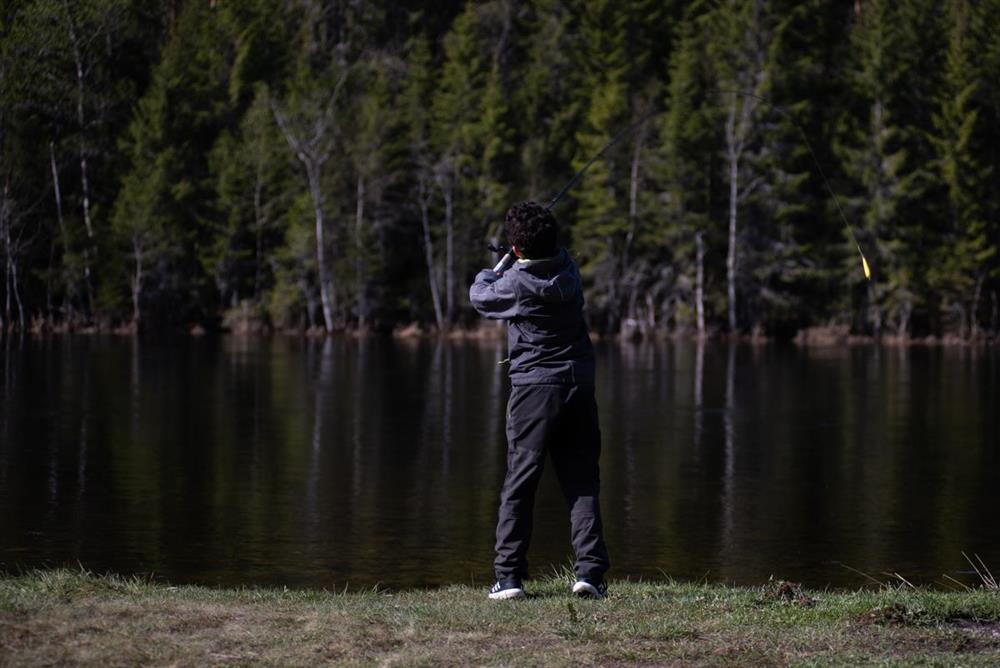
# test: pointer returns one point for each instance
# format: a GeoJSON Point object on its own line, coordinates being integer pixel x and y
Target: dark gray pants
{"type": "Point", "coordinates": [560, 420]}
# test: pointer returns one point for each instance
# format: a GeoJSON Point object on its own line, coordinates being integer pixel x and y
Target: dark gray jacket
{"type": "Point", "coordinates": [547, 337]}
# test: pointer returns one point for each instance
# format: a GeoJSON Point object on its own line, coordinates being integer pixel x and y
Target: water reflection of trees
{"type": "Point", "coordinates": [327, 460]}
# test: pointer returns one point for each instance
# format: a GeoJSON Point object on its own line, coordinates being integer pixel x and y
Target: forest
{"type": "Point", "coordinates": [341, 166]}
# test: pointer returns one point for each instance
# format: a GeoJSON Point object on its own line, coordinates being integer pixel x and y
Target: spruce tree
{"type": "Point", "coordinates": [963, 251]}
{"type": "Point", "coordinates": [688, 167]}
{"type": "Point", "coordinates": [740, 47]}
{"type": "Point", "coordinates": [471, 138]}
{"type": "Point", "coordinates": [875, 147]}
{"type": "Point", "coordinates": [378, 146]}
{"type": "Point", "coordinates": [252, 184]}
{"type": "Point", "coordinates": [168, 188]}
{"type": "Point", "coordinates": [416, 96]}
{"type": "Point", "coordinates": [787, 256]}
{"type": "Point", "coordinates": [601, 219]}
{"type": "Point", "coordinates": [546, 97]}
{"type": "Point", "coordinates": [987, 99]}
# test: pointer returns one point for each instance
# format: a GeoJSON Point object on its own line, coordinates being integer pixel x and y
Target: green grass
{"type": "Point", "coordinates": [64, 617]}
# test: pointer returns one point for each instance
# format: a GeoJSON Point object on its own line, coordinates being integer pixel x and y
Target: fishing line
{"type": "Point", "coordinates": [629, 129]}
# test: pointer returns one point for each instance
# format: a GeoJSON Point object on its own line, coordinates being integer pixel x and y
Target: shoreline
{"type": "Point", "coordinates": [74, 617]}
{"type": "Point", "coordinates": [813, 337]}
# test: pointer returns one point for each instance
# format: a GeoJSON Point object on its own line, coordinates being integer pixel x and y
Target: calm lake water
{"type": "Point", "coordinates": [325, 463]}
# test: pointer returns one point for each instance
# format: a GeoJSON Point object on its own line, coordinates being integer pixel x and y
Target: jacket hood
{"type": "Point", "coordinates": [551, 279]}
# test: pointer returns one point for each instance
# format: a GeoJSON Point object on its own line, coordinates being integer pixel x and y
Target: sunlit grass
{"type": "Point", "coordinates": [62, 616]}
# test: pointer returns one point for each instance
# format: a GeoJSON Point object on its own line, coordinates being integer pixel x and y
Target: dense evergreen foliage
{"type": "Point", "coordinates": [330, 164]}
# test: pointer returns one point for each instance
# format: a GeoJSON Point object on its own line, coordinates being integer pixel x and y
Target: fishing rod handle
{"type": "Point", "coordinates": [504, 263]}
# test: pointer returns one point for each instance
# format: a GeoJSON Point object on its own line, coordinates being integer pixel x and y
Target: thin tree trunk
{"type": "Point", "coordinates": [4, 205]}
{"type": "Point", "coordinates": [84, 184]}
{"type": "Point", "coordinates": [6, 274]}
{"type": "Point", "coordinates": [137, 276]}
{"type": "Point", "coordinates": [8, 260]}
{"type": "Point", "coordinates": [48, 280]}
{"type": "Point", "coordinates": [699, 282]}
{"type": "Point", "coordinates": [62, 228]}
{"type": "Point", "coordinates": [974, 309]}
{"type": "Point", "coordinates": [324, 281]}
{"type": "Point", "coordinates": [310, 302]}
{"type": "Point", "coordinates": [432, 278]}
{"type": "Point", "coordinates": [734, 167]}
{"type": "Point", "coordinates": [259, 222]}
{"type": "Point", "coordinates": [738, 129]}
{"type": "Point", "coordinates": [875, 313]}
{"type": "Point", "coordinates": [878, 195]}
{"type": "Point", "coordinates": [633, 199]}
{"type": "Point", "coordinates": [449, 226]}
{"type": "Point", "coordinates": [623, 262]}
{"type": "Point", "coordinates": [903, 327]}
{"type": "Point", "coordinates": [994, 312]}
{"type": "Point", "coordinates": [17, 298]}
{"type": "Point", "coordinates": [6, 305]}
{"type": "Point", "coordinates": [312, 152]}
{"type": "Point", "coordinates": [359, 264]}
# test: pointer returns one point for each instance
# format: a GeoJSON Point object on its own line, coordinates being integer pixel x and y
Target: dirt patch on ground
{"type": "Point", "coordinates": [988, 630]}
{"type": "Point", "coordinates": [782, 591]}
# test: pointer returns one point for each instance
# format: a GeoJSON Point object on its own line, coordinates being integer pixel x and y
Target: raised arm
{"type": "Point", "coordinates": [494, 296]}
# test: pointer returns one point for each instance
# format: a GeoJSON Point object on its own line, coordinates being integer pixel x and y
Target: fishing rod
{"type": "Point", "coordinates": [508, 258]}
{"type": "Point", "coordinates": [629, 129]}
{"type": "Point", "coordinates": [505, 262]}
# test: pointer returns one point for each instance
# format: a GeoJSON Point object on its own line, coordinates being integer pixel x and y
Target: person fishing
{"type": "Point", "coordinates": [552, 410]}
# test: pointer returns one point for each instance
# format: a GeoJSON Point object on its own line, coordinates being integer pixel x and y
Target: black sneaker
{"type": "Point", "coordinates": [507, 587]}
{"type": "Point", "coordinates": [595, 589]}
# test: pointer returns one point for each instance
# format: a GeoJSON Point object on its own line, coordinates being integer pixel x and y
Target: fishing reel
{"type": "Point", "coordinates": [506, 261]}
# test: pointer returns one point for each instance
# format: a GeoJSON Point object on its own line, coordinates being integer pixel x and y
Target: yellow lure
{"type": "Point", "coordinates": [864, 263]}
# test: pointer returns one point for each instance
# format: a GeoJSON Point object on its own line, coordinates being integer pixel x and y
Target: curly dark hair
{"type": "Point", "coordinates": [533, 229]}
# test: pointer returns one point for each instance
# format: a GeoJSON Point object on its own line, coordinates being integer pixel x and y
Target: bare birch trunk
{"type": "Point", "coordinates": [974, 309]}
{"type": "Point", "coordinates": [326, 299]}
{"type": "Point", "coordinates": [359, 265]}
{"type": "Point", "coordinates": [879, 197]}
{"type": "Point", "coordinates": [137, 276]}
{"type": "Point", "coordinates": [633, 196]}
{"type": "Point", "coordinates": [5, 240]}
{"type": "Point", "coordinates": [84, 184]}
{"type": "Point", "coordinates": [259, 222]}
{"type": "Point", "coordinates": [903, 326]}
{"type": "Point", "coordinates": [17, 297]}
{"type": "Point", "coordinates": [432, 278]}
{"type": "Point", "coordinates": [994, 312]}
{"type": "Point", "coordinates": [313, 147]}
{"type": "Point", "coordinates": [11, 263]}
{"type": "Point", "coordinates": [62, 225]}
{"type": "Point", "coordinates": [699, 282]}
{"type": "Point", "coordinates": [5, 318]}
{"type": "Point", "coordinates": [623, 261]}
{"type": "Point", "coordinates": [732, 152]}
{"type": "Point", "coordinates": [875, 313]}
{"type": "Point", "coordinates": [449, 226]}
{"type": "Point", "coordinates": [310, 303]}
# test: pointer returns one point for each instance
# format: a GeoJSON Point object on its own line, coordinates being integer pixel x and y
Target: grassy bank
{"type": "Point", "coordinates": [63, 617]}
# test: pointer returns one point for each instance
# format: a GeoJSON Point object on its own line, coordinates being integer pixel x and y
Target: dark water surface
{"type": "Point", "coordinates": [322, 463]}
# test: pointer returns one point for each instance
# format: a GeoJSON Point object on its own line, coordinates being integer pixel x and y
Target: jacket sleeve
{"type": "Point", "coordinates": [494, 296]}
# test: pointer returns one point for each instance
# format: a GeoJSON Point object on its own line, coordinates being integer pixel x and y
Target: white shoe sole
{"type": "Point", "coordinates": [507, 593]}
{"type": "Point", "coordinates": [586, 590]}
